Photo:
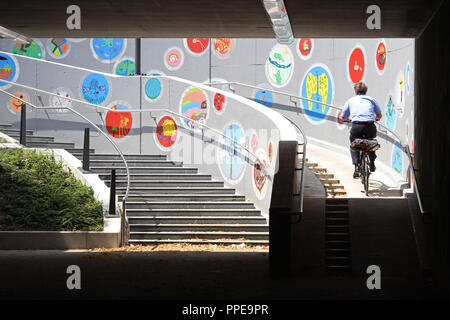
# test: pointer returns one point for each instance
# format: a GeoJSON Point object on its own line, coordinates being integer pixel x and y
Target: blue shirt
{"type": "Point", "coordinates": [361, 108]}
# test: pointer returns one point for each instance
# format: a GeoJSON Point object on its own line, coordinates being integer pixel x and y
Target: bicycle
{"type": "Point", "coordinates": [364, 146]}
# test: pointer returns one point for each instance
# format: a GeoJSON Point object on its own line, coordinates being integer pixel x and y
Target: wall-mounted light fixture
{"type": "Point", "coordinates": [9, 34]}
{"type": "Point", "coordinates": [276, 11]}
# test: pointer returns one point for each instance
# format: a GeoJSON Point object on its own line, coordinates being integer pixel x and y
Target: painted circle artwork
{"type": "Point", "coordinates": [356, 64]}
{"type": "Point", "coordinates": [33, 50]}
{"type": "Point", "coordinates": [220, 103]}
{"type": "Point", "coordinates": [270, 151]}
{"type": "Point", "coordinates": [173, 58]}
{"type": "Point", "coordinates": [8, 70]}
{"type": "Point", "coordinates": [222, 47]}
{"type": "Point", "coordinates": [253, 142]}
{"type": "Point", "coordinates": [61, 100]}
{"type": "Point", "coordinates": [407, 130]}
{"type": "Point", "coordinates": [397, 158]}
{"type": "Point", "coordinates": [58, 48]}
{"type": "Point", "coordinates": [153, 89]}
{"type": "Point", "coordinates": [125, 67]}
{"type": "Point", "coordinates": [408, 77]}
{"type": "Point", "coordinates": [390, 112]}
{"type": "Point", "coordinates": [196, 46]}
{"type": "Point", "coordinates": [381, 57]}
{"type": "Point", "coordinates": [279, 66]}
{"type": "Point", "coordinates": [400, 93]}
{"type": "Point", "coordinates": [264, 97]}
{"type": "Point", "coordinates": [107, 49]}
{"type": "Point", "coordinates": [95, 88]}
{"type": "Point", "coordinates": [118, 124]}
{"type": "Point", "coordinates": [305, 48]}
{"type": "Point", "coordinates": [231, 160]}
{"type": "Point", "coordinates": [166, 132]}
{"type": "Point", "coordinates": [259, 174]}
{"type": "Point", "coordinates": [14, 104]}
{"type": "Point", "coordinates": [194, 105]}
{"type": "Point", "coordinates": [317, 85]}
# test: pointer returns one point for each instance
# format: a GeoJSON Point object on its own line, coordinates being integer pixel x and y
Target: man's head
{"type": "Point", "coordinates": [360, 88]}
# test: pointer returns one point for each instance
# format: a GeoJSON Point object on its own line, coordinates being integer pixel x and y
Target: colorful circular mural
{"type": "Point", "coordinates": [194, 105]}
{"type": "Point", "coordinates": [107, 49]}
{"type": "Point", "coordinates": [32, 50]}
{"type": "Point", "coordinates": [14, 104]}
{"type": "Point", "coordinates": [356, 64]}
{"type": "Point", "coordinates": [61, 100]}
{"type": "Point", "coordinates": [400, 94]}
{"type": "Point", "coordinates": [58, 48]}
{"type": "Point", "coordinates": [305, 48]}
{"type": "Point", "coordinates": [270, 151]}
{"type": "Point", "coordinates": [9, 70]}
{"type": "Point", "coordinates": [153, 89]}
{"type": "Point", "coordinates": [118, 124]}
{"type": "Point", "coordinates": [196, 46]}
{"type": "Point", "coordinates": [317, 85]}
{"type": "Point", "coordinates": [220, 103]}
{"type": "Point", "coordinates": [173, 58]}
{"type": "Point", "coordinates": [397, 157]}
{"type": "Point", "coordinates": [390, 112]}
{"type": "Point", "coordinates": [166, 133]}
{"type": "Point", "coordinates": [408, 77]}
{"type": "Point", "coordinates": [222, 47]}
{"type": "Point", "coordinates": [264, 97]}
{"type": "Point", "coordinates": [381, 57]}
{"type": "Point", "coordinates": [125, 67]}
{"type": "Point", "coordinates": [279, 66]}
{"type": "Point", "coordinates": [259, 174]}
{"type": "Point", "coordinates": [231, 160]}
{"type": "Point", "coordinates": [95, 88]}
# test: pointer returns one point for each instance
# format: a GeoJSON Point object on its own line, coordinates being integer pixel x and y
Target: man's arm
{"type": "Point", "coordinates": [346, 112]}
{"type": "Point", "coordinates": [377, 111]}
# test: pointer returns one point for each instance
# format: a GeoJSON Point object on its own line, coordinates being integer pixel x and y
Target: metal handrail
{"type": "Point", "coordinates": [404, 147]}
{"type": "Point", "coordinates": [201, 124]}
{"type": "Point", "coordinates": [96, 127]}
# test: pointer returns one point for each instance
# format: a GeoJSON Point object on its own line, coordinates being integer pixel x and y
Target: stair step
{"type": "Point", "coordinates": [51, 145]}
{"type": "Point", "coordinates": [319, 170]}
{"type": "Point", "coordinates": [148, 227]}
{"type": "Point", "coordinates": [335, 207]}
{"type": "Point", "coordinates": [199, 241]}
{"type": "Point", "coordinates": [339, 236]}
{"type": "Point", "coordinates": [99, 156]}
{"type": "Point", "coordinates": [167, 183]}
{"type": "Point", "coordinates": [311, 165]}
{"type": "Point", "coordinates": [165, 176]}
{"type": "Point", "coordinates": [336, 221]}
{"type": "Point", "coordinates": [183, 197]}
{"type": "Point", "coordinates": [10, 132]}
{"type": "Point", "coordinates": [336, 214]}
{"type": "Point", "coordinates": [79, 151]}
{"type": "Point", "coordinates": [175, 190]}
{"type": "Point", "coordinates": [259, 220]}
{"type": "Point", "coordinates": [329, 181]}
{"type": "Point", "coordinates": [189, 205]}
{"type": "Point", "coordinates": [134, 163]}
{"type": "Point", "coordinates": [337, 244]}
{"type": "Point", "coordinates": [337, 229]}
{"type": "Point", "coordinates": [32, 138]}
{"type": "Point", "coordinates": [333, 187]}
{"type": "Point", "coordinates": [5, 126]}
{"type": "Point", "coordinates": [336, 202]}
{"type": "Point", "coordinates": [338, 253]}
{"type": "Point", "coordinates": [324, 176]}
{"type": "Point", "coordinates": [133, 170]}
{"type": "Point", "coordinates": [194, 213]}
{"type": "Point", "coordinates": [198, 235]}
{"type": "Point", "coordinates": [336, 192]}
{"type": "Point", "coordinates": [338, 260]}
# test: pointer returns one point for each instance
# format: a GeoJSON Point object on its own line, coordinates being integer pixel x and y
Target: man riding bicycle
{"type": "Point", "coordinates": [363, 112]}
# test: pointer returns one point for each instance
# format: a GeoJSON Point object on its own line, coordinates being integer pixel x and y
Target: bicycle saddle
{"type": "Point", "coordinates": [365, 144]}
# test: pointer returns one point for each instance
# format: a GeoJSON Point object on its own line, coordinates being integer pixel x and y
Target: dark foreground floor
{"type": "Point", "coordinates": [177, 275]}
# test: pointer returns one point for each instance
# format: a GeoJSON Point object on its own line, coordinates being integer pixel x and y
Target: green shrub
{"type": "Point", "coordinates": [37, 194]}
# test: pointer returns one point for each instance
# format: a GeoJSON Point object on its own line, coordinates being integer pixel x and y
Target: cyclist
{"type": "Point", "coordinates": [363, 111]}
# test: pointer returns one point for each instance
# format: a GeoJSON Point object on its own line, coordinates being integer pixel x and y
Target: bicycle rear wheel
{"type": "Point", "coordinates": [366, 175]}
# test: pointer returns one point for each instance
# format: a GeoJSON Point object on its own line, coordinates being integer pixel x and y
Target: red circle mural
{"type": "Point", "coordinates": [356, 65]}
{"type": "Point", "coordinates": [219, 101]}
{"type": "Point", "coordinates": [381, 56]}
{"type": "Point", "coordinates": [305, 47]}
{"type": "Point", "coordinates": [166, 131]}
{"type": "Point", "coordinates": [118, 124]}
{"type": "Point", "coordinates": [197, 45]}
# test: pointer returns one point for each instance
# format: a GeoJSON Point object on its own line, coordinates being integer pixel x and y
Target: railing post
{"type": "Point", "coordinates": [23, 124]}
{"type": "Point", "coordinates": [112, 193]}
{"type": "Point", "coordinates": [86, 150]}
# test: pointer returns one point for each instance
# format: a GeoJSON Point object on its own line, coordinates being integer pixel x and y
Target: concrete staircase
{"type": "Point", "coordinates": [168, 202]}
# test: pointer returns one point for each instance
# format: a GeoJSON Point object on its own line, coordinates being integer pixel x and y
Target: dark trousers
{"type": "Point", "coordinates": [362, 130]}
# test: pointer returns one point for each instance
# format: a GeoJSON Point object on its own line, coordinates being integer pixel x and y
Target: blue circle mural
{"type": "Point", "coordinates": [153, 88]}
{"type": "Point", "coordinates": [390, 112]}
{"type": "Point", "coordinates": [264, 97]}
{"type": "Point", "coordinates": [408, 77]}
{"type": "Point", "coordinates": [8, 69]}
{"type": "Point", "coordinates": [231, 161]}
{"type": "Point", "coordinates": [95, 88]}
{"type": "Point", "coordinates": [317, 85]}
{"type": "Point", "coordinates": [108, 48]}
{"type": "Point", "coordinates": [397, 159]}
{"type": "Point", "coordinates": [125, 67]}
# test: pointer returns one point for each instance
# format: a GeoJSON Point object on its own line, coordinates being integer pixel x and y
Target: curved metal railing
{"type": "Point", "coordinates": [122, 215]}
{"type": "Point", "coordinates": [405, 147]}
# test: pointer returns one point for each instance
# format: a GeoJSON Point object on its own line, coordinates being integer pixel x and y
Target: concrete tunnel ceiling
{"type": "Point", "coordinates": [216, 18]}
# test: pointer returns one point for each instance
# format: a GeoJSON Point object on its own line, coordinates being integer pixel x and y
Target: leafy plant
{"type": "Point", "coordinates": [37, 194]}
